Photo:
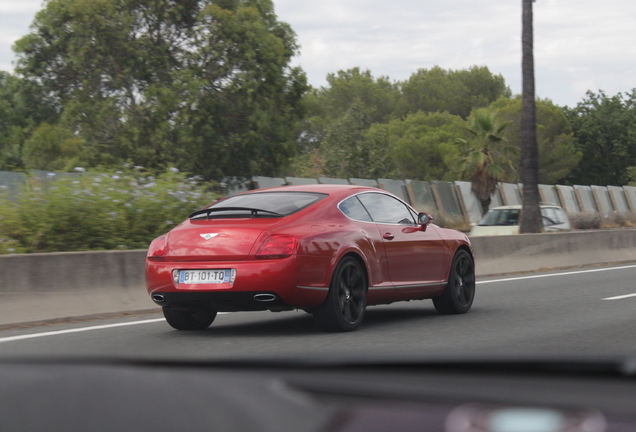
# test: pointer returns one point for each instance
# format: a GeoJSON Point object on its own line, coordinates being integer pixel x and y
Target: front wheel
{"type": "Point", "coordinates": [343, 309]}
{"type": "Point", "coordinates": [183, 320]}
{"type": "Point", "coordinates": [459, 293]}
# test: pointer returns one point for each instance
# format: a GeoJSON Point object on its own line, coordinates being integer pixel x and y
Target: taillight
{"type": "Point", "coordinates": [157, 249]}
{"type": "Point", "coordinates": [276, 247]}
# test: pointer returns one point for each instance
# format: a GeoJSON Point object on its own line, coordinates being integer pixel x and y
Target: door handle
{"type": "Point", "coordinates": [388, 236]}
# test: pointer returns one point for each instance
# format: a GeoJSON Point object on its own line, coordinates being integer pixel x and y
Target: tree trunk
{"type": "Point", "coordinates": [483, 186]}
{"type": "Point", "coordinates": [485, 205]}
{"type": "Point", "coordinates": [530, 213]}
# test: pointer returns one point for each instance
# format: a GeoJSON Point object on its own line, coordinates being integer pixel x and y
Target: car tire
{"type": "Point", "coordinates": [183, 320]}
{"type": "Point", "coordinates": [459, 293]}
{"type": "Point", "coordinates": [343, 309]}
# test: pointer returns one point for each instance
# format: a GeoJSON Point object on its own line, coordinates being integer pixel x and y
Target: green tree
{"type": "Point", "coordinates": [337, 117]}
{"type": "Point", "coordinates": [204, 84]}
{"type": "Point", "coordinates": [485, 154]}
{"type": "Point", "coordinates": [605, 132]}
{"type": "Point", "coordinates": [379, 96]}
{"type": "Point", "coordinates": [52, 147]}
{"type": "Point", "coordinates": [557, 149]}
{"type": "Point", "coordinates": [349, 112]}
{"type": "Point", "coordinates": [23, 105]}
{"type": "Point", "coordinates": [348, 151]}
{"type": "Point", "coordinates": [422, 145]}
{"type": "Point", "coordinates": [454, 91]}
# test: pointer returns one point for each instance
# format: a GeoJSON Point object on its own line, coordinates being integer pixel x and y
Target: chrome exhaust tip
{"type": "Point", "coordinates": [158, 298]}
{"type": "Point", "coordinates": [264, 297]}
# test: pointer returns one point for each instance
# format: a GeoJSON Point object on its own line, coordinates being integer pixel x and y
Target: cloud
{"type": "Point", "coordinates": [399, 36]}
{"type": "Point", "coordinates": [579, 44]}
{"type": "Point", "coordinates": [20, 6]}
{"type": "Point", "coordinates": [15, 18]}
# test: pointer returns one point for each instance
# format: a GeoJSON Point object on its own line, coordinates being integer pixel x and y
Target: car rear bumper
{"type": "Point", "coordinates": [259, 285]}
{"type": "Point", "coordinates": [226, 301]}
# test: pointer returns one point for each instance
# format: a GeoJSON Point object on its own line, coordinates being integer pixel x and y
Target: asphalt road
{"type": "Point", "coordinates": [589, 311]}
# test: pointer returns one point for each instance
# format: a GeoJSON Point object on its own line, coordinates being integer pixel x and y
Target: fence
{"type": "Point", "coordinates": [447, 199]}
{"type": "Point", "coordinates": [455, 199]}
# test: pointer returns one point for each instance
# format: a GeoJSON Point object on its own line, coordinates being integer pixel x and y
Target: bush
{"type": "Point", "coordinates": [614, 220]}
{"type": "Point", "coordinates": [97, 211]}
{"type": "Point", "coordinates": [585, 221]}
{"type": "Point", "coordinates": [582, 221]}
{"type": "Point", "coordinates": [449, 221]}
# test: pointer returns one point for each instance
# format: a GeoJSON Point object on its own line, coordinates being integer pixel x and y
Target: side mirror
{"type": "Point", "coordinates": [424, 219]}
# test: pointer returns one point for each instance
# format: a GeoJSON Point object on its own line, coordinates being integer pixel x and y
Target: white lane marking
{"type": "Point", "coordinates": [83, 329]}
{"type": "Point", "coordinates": [555, 274]}
{"type": "Point", "coordinates": [106, 326]}
{"type": "Point", "coordinates": [620, 297]}
{"type": "Point", "coordinates": [77, 330]}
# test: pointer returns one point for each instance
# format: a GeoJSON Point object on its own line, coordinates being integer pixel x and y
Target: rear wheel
{"type": "Point", "coordinates": [343, 309]}
{"type": "Point", "coordinates": [183, 320]}
{"type": "Point", "coordinates": [459, 293]}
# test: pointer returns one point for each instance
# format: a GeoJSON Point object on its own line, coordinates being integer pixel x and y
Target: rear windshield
{"type": "Point", "coordinates": [501, 217]}
{"type": "Point", "coordinates": [262, 204]}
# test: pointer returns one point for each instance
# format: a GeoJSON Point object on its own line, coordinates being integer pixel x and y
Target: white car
{"type": "Point", "coordinates": [505, 220]}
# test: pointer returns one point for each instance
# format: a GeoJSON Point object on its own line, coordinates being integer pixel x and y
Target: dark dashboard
{"type": "Point", "coordinates": [309, 395]}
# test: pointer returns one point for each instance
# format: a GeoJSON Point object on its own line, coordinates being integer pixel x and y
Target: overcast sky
{"type": "Point", "coordinates": [580, 45]}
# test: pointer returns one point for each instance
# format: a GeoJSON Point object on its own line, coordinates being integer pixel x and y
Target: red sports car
{"type": "Point", "coordinates": [330, 250]}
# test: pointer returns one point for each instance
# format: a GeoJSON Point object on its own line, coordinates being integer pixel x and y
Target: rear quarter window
{"type": "Point", "coordinates": [353, 209]}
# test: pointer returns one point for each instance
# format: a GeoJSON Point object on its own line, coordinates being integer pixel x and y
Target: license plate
{"type": "Point", "coordinates": [204, 276]}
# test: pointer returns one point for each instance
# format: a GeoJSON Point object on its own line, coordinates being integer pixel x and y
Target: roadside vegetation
{"type": "Point", "coordinates": [123, 209]}
{"type": "Point", "coordinates": [586, 221]}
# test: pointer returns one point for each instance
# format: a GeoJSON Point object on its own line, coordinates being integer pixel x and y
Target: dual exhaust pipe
{"type": "Point", "coordinates": [263, 297]}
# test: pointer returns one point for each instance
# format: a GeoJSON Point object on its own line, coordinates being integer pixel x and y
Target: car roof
{"type": "Point", "coordinates": [518, 206]}
{"type": "Point", "coordinates": [318, 188]}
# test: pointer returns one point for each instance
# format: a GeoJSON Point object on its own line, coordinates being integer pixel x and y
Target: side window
{"type": "Point", "coordinates": [550, 217]}
{"type": "Point", "coordinates": [511, 217]}
{"type": "Point", "coordinates": [386, 209]}
{"type": "Point", "coordinates": [353, 209]}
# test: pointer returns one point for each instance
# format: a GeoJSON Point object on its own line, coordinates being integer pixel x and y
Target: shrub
{"type": "Point", "coordinates": [614, 220]}
{"type": "Point", "coordinates": [449, 221]}
{"type": "Point", "coordinates": [585, 221]}
{"type": "Point", "coordinates": [97, 211]}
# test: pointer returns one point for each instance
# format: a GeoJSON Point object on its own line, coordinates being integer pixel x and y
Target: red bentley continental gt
{"type": "Point", "coordinates": [330, 250]}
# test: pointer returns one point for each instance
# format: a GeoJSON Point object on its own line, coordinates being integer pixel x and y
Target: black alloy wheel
{"type": "Point", "coordinates": [184, 320]}
{"type": "Point", "coordinates": [459, 293]}
{"type": "Point", "coordinates": [343, 309]}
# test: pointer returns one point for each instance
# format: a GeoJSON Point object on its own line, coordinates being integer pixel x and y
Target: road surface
{"type": "Point", "coordinates": [587, 311]}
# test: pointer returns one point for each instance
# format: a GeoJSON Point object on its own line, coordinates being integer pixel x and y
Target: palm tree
{"type": "Point", "coordinates": [529, 164]}
{"type": "Point", "coordinates": [484, 154]}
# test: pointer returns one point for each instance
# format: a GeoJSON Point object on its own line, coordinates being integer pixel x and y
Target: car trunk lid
{"type": "Point", "coordinates": [216, 240]}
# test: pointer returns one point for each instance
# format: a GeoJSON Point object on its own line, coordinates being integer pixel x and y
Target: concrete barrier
{"type": "Point", "coordinates": [37, 287]}
{"type": "Point", "coordinates": [530, 252]}
{"type": "Point", "coordinates": [40, 287]}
